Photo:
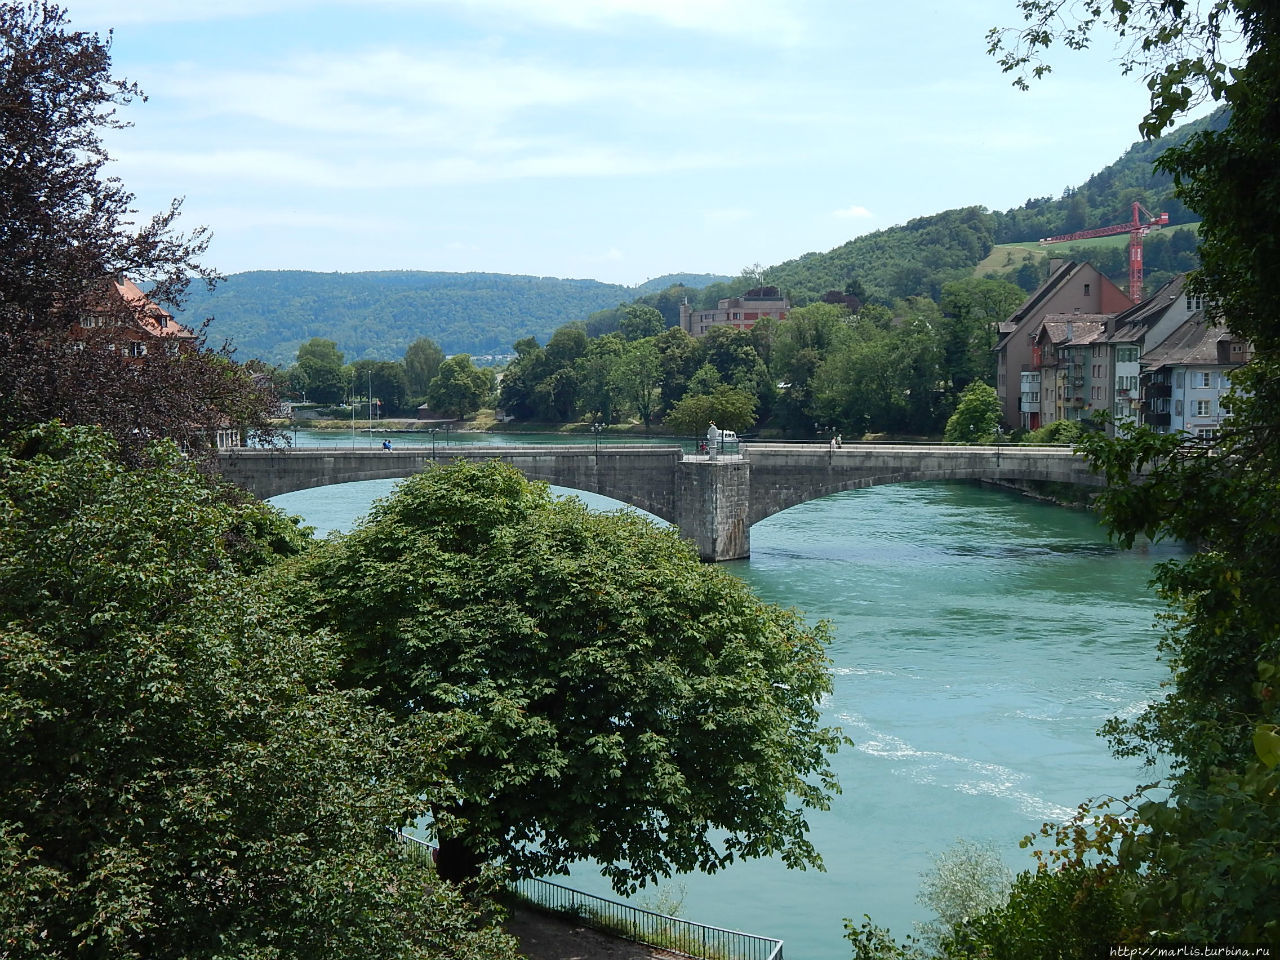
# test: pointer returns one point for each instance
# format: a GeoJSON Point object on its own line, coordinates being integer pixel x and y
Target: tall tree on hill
{"type": "Point", "coordinates": [422, 360]}
{"type": "Point", "coordinates": [460, 388]}
{"type": "Point", "coordinates": [66, 230]}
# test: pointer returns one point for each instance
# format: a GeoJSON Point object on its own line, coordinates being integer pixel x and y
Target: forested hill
{"type": "Point", "coordinates": [376, 315]}
{"type": "Point", "coordinates": [917, 258]}
{"type": "Point", "coordinates": [268, 314]}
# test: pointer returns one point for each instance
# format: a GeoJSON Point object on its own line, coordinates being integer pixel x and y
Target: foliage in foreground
{"type": "Point", "coordinates": [616, 698]}
{"type": "Point", "coordinates": [182, 778]}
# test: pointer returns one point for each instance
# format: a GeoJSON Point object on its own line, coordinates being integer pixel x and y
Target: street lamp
{"type": "Point", "coordinates": [596, 427]}
{"type": "Point", "coordinates": [433, 431]}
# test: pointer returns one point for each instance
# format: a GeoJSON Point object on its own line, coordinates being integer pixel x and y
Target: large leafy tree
{"type": "Point", "coordinates": [727, 407]}
{"type": "Point", "coordinates": [67, 230]}
{"type": "Point", "coordinates": [460, 387]}
{"type": "Point", "coordinates": [181, 776]}
{"type": "Point", "coordinates": [977, 416]}
{"type": "Point", "coordinates": [636, 377]}
{"type": "Point", "coordinates": [618, 699]}
{"type": "Point", "coordinates": [422, 360]}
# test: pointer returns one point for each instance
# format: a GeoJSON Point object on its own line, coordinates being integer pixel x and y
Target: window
{"type": "Point", "coordinates": [137, 349]}
{"type": "Point", "coordinates": [1177, 379]}
{"type": "Point", "coordinates": [1126, 354]}
{"type": "Point", "coordinates": [1086, 289]}
{"type": "Point", "coordinates": [1195, 302]}
{"type": "Point", "coordinates": [1206, 432]}
{"type": "Point", "coordinates": [1204, 408]}
{"type": "Point", "coordinates": [1201, 378]}
{"type": "Point", "coordinates": [1177, 408]}
{"type": "Point", "coordinates": [90, 322]}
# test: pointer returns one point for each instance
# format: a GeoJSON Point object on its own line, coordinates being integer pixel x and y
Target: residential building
{"type": "Point", "coordinates": [1185, 378]}
{"type": "Point", "coordinates": [741, 313]}
{"type": "Point", "coordinates": [1134, 333]}
{"type": "Point", "coordinates": [125, 319]}
{"type": "Point", "coordinates": [1072, 368]}
{"type": "Point", "coordinates": [1072, 289]}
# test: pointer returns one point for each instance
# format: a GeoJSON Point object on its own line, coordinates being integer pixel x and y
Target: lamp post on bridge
{"type": "Point", "coordinates": [596, 427]}
{"type": "Point", "coordinates": [433, 431]}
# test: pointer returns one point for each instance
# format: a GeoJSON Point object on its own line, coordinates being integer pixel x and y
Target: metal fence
{"type": "Point", "coordinates": [645, 926]}
{"type": "Point", "coordinates": [623, 920]}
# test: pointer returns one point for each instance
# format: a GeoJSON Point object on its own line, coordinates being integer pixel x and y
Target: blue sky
{"type": "Point", "coordinates": [613, 139]}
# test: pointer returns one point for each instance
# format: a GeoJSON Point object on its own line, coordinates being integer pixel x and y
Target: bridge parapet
{"type": "Point", "coordinates": [712, 502]}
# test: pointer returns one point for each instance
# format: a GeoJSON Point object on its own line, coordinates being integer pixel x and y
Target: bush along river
{"type": "Point", "coordinates": [981, 639]}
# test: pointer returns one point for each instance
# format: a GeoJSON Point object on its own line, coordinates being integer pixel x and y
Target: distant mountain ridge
{"type": "Point", "coordinates": [267, 314]}
{"type": "Point", "coordinates": [376, 315]}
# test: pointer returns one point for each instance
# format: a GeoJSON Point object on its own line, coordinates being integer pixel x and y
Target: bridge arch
{"type": "Point", "coordinates": [786, 475]}
{"type": "Point", "coordinates": [712, 502]}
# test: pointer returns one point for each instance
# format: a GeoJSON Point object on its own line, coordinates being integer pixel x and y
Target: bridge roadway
{"type": "Point", "coordinates": [712, 502]}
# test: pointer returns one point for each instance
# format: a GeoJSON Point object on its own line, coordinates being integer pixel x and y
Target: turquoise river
{"type": "Point", "coordinates": [980, 641]}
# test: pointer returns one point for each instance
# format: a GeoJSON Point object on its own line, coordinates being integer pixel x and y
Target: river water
{"type": "Point", "coordinates": [980, 640]}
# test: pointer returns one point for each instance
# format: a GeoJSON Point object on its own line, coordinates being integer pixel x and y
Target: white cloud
{"type": "Point", "coordinates": [854, 212]}
{"type": "Point", "coordinates": [383, 117]}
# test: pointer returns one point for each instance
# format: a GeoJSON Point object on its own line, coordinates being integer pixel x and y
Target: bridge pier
{"type": "Point", "coordinates": [713, 498]}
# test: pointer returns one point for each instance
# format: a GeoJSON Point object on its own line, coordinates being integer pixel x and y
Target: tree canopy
{"type": "Point", "coordinates": [616, 698]}
{"type": "Point", "coordinates": [182, 778]}
{"type": "Point", "coordinates": [67, 232]}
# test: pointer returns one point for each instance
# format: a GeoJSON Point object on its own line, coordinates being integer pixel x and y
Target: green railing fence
{"type": "Point", "coordinates": [698, 940]}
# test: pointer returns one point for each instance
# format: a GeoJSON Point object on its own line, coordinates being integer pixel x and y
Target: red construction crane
{"type": "Point", "coordinates": [1137, 229]}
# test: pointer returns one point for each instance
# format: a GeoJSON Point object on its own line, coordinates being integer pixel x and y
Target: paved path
{"type": "Point", "coordinates": [544, 937]}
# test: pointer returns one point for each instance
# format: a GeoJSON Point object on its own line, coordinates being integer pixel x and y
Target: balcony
{"type": "Point", "coordinates": [1156, 419]}
{"type": "Point", "coordinates": [1157, 388]}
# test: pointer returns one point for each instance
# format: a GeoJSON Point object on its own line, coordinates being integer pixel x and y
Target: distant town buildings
{"type": "Point", "coordinates": [741, 313]}
{"type": "Point", "coordinates": [1159, 363]}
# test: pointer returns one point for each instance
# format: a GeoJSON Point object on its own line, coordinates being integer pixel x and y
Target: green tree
{"type": "Point", "coordinates": [636, 377]}
{"type": "Point", "coordinates": [600, 394]}
{"type": "Point", "coordinates": [972, 310]}
{"type": "Point", "coordinates": [977, 416]}
{"type": "Point", "coordinates": [616, 698]}
{"type": "Point", "coordinates": [678, 359]}
{"type": "Point", "coordinates": [181, 776]}
{"type": "Point", "coordinates": [68, 230]}
{"type": "Point", "coordinates": [640, 321]}
{"type": "Point", "coordinates": [460, 388]}
{"type": "Point", "coordinates": [321, 351]}
{"type": "Point", "coordinates": [422, 360]}
{"type": "Point", "coordinates": [727, 407]}
{"type": "Point", "coordinates": [384, 381]}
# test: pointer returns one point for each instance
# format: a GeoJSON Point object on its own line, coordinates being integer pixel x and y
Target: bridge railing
{"type": "Point", "coordinates": [697, 940]}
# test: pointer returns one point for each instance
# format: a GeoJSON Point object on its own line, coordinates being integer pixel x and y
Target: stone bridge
{"type": "Point", "coordinates": [712, 502]}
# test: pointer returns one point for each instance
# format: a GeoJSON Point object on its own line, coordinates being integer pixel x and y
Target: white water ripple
{"type": "Point", "coordinates": [949, 771]}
